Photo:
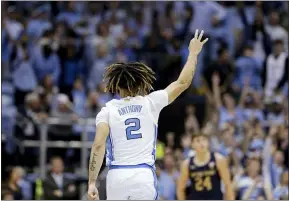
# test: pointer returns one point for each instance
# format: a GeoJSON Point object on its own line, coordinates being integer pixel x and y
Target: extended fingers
{"type": "Point", "coordinates": [201, 35]}
{"type": "Point", "coordinates": [204, 41]}
{"type": "Point", "coordinates": [196, 34]}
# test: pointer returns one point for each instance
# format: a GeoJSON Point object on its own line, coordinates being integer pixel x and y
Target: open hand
{"type": "Point", "coordinates": [196, 44]}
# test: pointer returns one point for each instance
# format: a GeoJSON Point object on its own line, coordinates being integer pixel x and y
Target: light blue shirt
{"type": "Point", "coordinates": [45, 66]}
{"type": "Point", "coordinates": [24, 77]}
{"type": "Point", "coordinates": [167, 185]}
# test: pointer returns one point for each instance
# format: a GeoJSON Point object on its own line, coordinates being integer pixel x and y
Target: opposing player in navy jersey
{"type": "Point", "coordinates": [205, 171]}
{"type": "Point", "coordinates": [129, 126]}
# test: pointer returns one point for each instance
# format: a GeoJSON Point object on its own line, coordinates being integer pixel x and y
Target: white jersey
{"type": "Point", "coordinates": [133, 128]}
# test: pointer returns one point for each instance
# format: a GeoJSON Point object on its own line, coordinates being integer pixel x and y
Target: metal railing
{"type": "Point", "coordinates": [43, 144]}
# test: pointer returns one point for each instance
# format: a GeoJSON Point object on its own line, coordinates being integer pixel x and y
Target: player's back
{"type": "Point", "coordinates": [133, 132]}
{"type": "Point", "coordinates": [131, 145]}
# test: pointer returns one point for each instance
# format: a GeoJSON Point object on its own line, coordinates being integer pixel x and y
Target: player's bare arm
{"type": "Point", "coordinates": [185, 79]}
{"type": "Point", "coordinates": [96, 158]}
{"type": "Point", "coordinates": [225, 175]}
{"type": "Point", "coordinates": [182, 181]}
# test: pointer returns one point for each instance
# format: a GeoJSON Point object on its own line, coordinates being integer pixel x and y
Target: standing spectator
{"type": "Point", "coordinates": [101, 61]}
{"type": "Point", "coordinates": [276, 31]}
{"type": "Point", "coordinates": [45, 61]}
{"type": "Point", "coordinates": [247, 66]}
{"type": "Point", "coordinates": [72, 68]}
{"type": "Point", "coordinates": [24, 77]}
{"type": "Point", "coordinates": [260, 38]}
{"type": "Point", "coordinates": [167, 179]}
{"type": "Point", "coordinates": [275, 69]}
{"type": "Point", "coordinates": [38, 23]}
{"type": "Point", "coordinates": [70, 16]}
{"type": "Point", "coordinates": [57, 186]}
{"type": "Point", "coordinates": [13, 27]}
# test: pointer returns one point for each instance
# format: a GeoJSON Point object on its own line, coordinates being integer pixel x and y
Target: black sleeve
{"type": "Point", "coordinates": [48, 191]}
{"type": "Point", "coordinates": [285, 76]}
{"type": "Point", "coordinates": [68, 194]}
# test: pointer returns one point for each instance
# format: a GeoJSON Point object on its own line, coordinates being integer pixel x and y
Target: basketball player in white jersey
{"type": "Point", "coordinates": [129, 126]}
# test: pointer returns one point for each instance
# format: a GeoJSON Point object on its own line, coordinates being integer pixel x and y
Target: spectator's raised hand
{"type": "Point", "coordinates": [196, 44]}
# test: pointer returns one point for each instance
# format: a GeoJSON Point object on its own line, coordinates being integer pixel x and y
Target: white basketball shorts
{"type": "Point", "coordinates": [137, 182]}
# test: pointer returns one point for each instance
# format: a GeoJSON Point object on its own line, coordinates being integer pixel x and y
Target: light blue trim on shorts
{"type": "Point", "coordinates": [143, 165]}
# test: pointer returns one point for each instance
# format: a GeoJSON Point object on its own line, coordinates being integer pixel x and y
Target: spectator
{"type": "Point", "coordinates": [247, 66]}
{"type": "Point", "coordinates": [63, 108]}
{"type": "Point", "coordinates": [122, 52]}
{"type": "Point", "coordinates": [275, 69]}
{"type": "Point", "coordinates": [70, 16]}
{"type": "Point", "coordinates": [72, 68]}
{"type": "Point", "coordinates": [170, 140]}
{"type": "Point", "coordinates": [57, 185]}
{"type": "Point", "coordinates": [282, 189]}
{"type": "Point", "coordinates": [186, 143]}
{"type": "Point", "coordinates": [12, 24]}
{"type": "Point", "coordinates": [116, 28]}
{"type": "Point", "coordinates": [12, 185]}
{"type": "Point", "coordinates": [276, 31]}
{"type": "Point", "coordinates": [79, 97]}
{"type": "Point", "coordinates": [276, 111]}
{"type": "Point", "coordinates": [48, 91]}
{"type": "Point", "coordinates": [260, 38]}
{"type": "Point", "coordinates": [103, 96]}
{"type": "Point", "coordinates": [251, 185]}
{"type": "Point", "coordinates": [24, 77]}
{"type": "Point", "coordinates": [253, 106]}
{"type": "Point", "coordinates": [102, 37]}
{"type": "Point", "coordinates": [228, 111]}
{"type": "Point", "coordinates": [102, 61]}
{"type": "Point", "coordinates": [39, 23]}
{"type": "Point", "coordinates": [223, 66]}
{"type": "Point", "coordinates": [45, 61]}
{"type": "Point", "coordinates": [277, 167]}
{"type": "Point", "coordinates": [92, 105]}
{"type": "Point", "coordinates": [29, 115]}
{"type": "Point", "coordinates": [167, 179]}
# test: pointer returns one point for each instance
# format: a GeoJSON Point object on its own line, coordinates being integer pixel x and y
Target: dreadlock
{"type": "Point", "coordinates": [136, 78]}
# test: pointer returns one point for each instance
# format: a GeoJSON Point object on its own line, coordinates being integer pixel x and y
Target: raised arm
{"type": "Point", "coordinates": [216, 90]}
{"type": "Point", "coordinates": [185, 79]}
{"type": "Point", "coordinates": [96, 158]}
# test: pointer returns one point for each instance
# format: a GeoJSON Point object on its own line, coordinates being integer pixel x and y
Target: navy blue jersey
{"type": "Point", "coordinates": [205, 181]}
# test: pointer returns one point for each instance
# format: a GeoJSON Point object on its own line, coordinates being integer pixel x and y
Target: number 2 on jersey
{"type": "Point", "coordinates": [134, 125]}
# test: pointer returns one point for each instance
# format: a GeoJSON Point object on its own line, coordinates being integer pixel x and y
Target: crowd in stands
{"type": "Point", "coordinates": [53, 59]}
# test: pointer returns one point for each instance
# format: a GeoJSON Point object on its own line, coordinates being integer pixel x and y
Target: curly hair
{"type": "Point", "coordinates": [136, 78]}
